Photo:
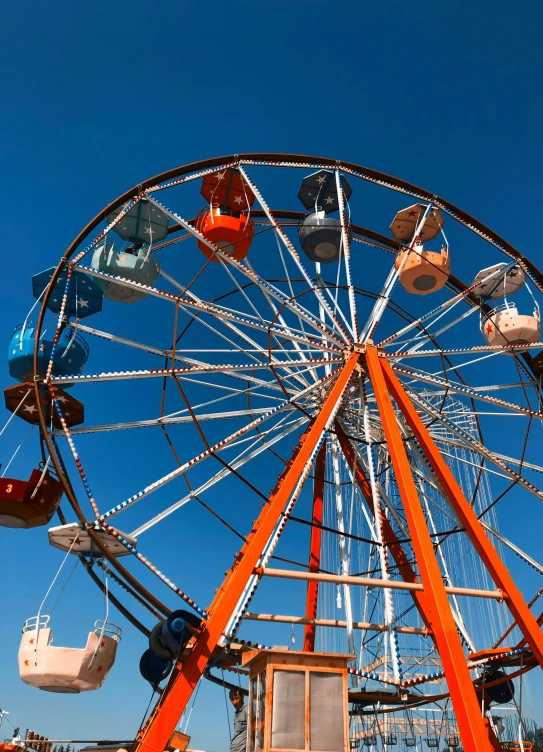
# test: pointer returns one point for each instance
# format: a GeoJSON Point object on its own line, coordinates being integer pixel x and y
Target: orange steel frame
{"type": "Point", "coordinates": [524, 618]}
{"type": "Point", "coordinates": [432, 602]}
{"type": "Point", "coordinates": [315, 549]}
{"type": "Point", "coordinates": [472, 726]}
{"type": "Point", "coordinates": [156, 733]}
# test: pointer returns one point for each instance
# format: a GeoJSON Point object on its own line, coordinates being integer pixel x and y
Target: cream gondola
{"type": "Point", "coordinates": [506, 326]}
{"type": "Point", "coordinates": [503, 325]}
{"type": "Point", "coordinates": [66, 670]}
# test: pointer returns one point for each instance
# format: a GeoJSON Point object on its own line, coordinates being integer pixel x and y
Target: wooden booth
{"type": "Point", "coordinates": [297, 701]}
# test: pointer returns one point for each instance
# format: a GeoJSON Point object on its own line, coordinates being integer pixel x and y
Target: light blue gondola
{"type": "Point", "coordinates": [144, 223]}
{"type": "Point", "coordinates": [135, 266]}
{"type": "Point", "coordinates": [71, 353]}
{"type": "Point", "coordinates": [84, 295]}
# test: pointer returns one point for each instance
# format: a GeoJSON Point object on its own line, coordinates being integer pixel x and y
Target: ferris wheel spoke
{"type": "Point", "coordinates": [256, 349]}
{"type": "Point", "coordinates": [456, 388]}
{"type": "Point", "coordinates": [166, 420]}
{"type": "Point", "coordinates": [243, 349]}
{"type": "Point", "coordinates": [246, 456]}
{"type": "Point", "coordinates": [262, 283]}
{"type": "Point", "coordinates": [511, 460]}
{"type": "Point", "coordinates": [209, 452]}
{"type": "Point", "coordinates": [475, 445]}
{"type": "Point", "coordinates": [278, 342]}
{"type": "Point", "coordinates": [289, 335]}
{"type": "Point", "coordinates": [280, 317]}
{"type": "Point", "coordinates": [294, 255]}
{"type": "Point", "coordinates": [168, 354]}
{"type": "Point", "coordinates": [347, 255]}
{"type": "Point", "coordinates": [481, 467]}
{"type": "Point", "coordinates": [220, 312]}
{"type": "Point", "coordinates": [513, 547]}
{"type": "Point", "coordinates": [491, 349]}
{"type": "Point", "coordinates": [334, 302]}
{"type": "Point", "coordinates": [422, 339]}
{"type": "Point", "coordinates": [249, 388]}
{"type": "Point", "coordinates": [187, 370]}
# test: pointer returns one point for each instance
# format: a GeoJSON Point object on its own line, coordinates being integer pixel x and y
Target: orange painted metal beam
{"type": "Point", "coordinates": [390, 538]}
{"type": "Point", "coordinates": [463, 696]}
{"type": "Point", "coordinates": [524, 618]}
{"type": "Point", "coordinates": [315, 549]}
{"type": "Point", "coordinates": [156, 733]}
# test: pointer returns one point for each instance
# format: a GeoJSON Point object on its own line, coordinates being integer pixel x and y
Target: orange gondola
{"type": "Point", "coordinates": [423, 271]}
{"type": "Point", "coordinates": [233, 235]}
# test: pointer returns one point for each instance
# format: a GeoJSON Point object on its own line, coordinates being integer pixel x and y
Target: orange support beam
{"type": "Point", "coordinates": [463, 697]}
{"type": "Point", "coordinates": [156, 734]}
{"type": "Point", "coordinates": [315, 549]}
{"type": "Point", "coordinates": [524, 618]}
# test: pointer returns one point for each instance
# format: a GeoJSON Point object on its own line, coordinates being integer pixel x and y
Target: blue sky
{"type": "Point", "coordinates": [98, 96]}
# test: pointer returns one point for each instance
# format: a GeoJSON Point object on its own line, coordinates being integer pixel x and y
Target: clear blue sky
{"type": "Point", "coordinates": [98, 96]}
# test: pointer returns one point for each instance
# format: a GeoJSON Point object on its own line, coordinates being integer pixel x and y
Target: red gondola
{"type": "Point", "coordinates": [21, 399]}
{"type": "Point", "coordinates": [31, 503]}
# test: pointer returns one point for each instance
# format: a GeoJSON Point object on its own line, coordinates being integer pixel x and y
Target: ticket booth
{"type": "Point", "coordinates": [297, 701]}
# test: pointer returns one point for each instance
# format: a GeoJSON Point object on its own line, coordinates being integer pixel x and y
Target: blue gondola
{"type": "Point", "coordinates": [71, 353]}
{"type": "Point", "coordinates": [84, 296]}
{"type": "Point", "coordinates": [136, 266]}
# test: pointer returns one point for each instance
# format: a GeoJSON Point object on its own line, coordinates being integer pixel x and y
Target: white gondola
{"type": "Point", "coordinates": [74, 538]}
{"type": "Point", "coordinates": [490, 283]}
{"type": "Point", "coordinates": [504, 325]}
{"type": "Point", "coordinates": [66, 670]}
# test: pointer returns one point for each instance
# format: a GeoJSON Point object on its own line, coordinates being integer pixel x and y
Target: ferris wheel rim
{"type": "Point", "coordinates": [281, 160]}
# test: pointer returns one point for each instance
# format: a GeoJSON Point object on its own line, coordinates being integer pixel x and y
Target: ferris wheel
{"type": "Point", "coordinates": [284, 377]}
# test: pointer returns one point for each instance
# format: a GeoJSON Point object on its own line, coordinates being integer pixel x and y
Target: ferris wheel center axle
{"type": "Point", "coordinates": [361, 349]}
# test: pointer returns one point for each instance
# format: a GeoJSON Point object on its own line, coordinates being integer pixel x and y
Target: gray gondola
{"type": "Point", "coordinates": [320, 237]}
